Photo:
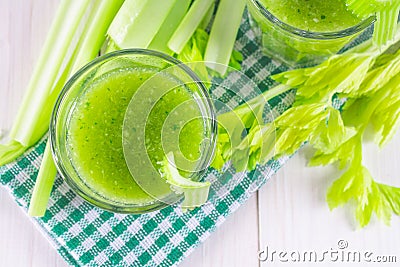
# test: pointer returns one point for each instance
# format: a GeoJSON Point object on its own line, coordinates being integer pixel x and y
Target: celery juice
{"type": "Point", "coordinates": [304, 32]}
{"type": "Point", "coordinates": [95, 127]}
{"type": "Point", "coordinates": [313, 15]}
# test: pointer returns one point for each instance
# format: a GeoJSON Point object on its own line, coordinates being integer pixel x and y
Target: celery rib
{"type": "Point", "coordinates": [189, 24]}
{"type": "Point", "coordinates": [195, 193]}
{"type": "Point", "coordinates": [44, 184]}
{"type": "Point", "coordinates": [222, 38]}
{"type": "Point", "coordinates": [168, 27]}
{"type": "Point", "coordinates": [138, 21]}
{"type": "Point", "coordinates": [10, 152]}
{"type": "Point", "coordinates": [45, 73]}
{"type": "Point", "coordinates": [33, 117]}
{"type": "Point", "coordinates": [88, 46]}
{"type": "Point", "coordinates": [95, 33]}
{"type": "Point", "coordinates": [205, 22]}
{"type": "Point", "coordinates": [385, 25]}
{"type": "Point", "coordinates": [386, 12]}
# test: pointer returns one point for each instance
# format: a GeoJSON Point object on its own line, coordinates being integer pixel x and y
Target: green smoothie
{"type": "Point", "coordinates": [302, 33]}
{"type": "Point", "coordinates": [94, 139]}
{"type": "Point", "coordinates": [313, 15]}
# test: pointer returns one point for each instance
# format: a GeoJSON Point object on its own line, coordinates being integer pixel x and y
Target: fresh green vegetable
{"type": "Point", "coordinates": [205, 22]}
{"type": "Point", "coordinates": [256, 147]}
{"type": "Point", "coordinates": [386, 12]}
{"type": "Point", "coordinates": [31, 124]}
{"type": "Point", "coordinates": [181, 30]}
{"type": "Point", "coordinates": [44, 184]}
{"type": "Point", "coordinates": [87, 48]}
{"type": "Point", "coordinates": [370, 82]}
{"type": "Point", "coordinates": [222, 38]}
{"type": "Point", "coordinates": [368, 78]}
{"type": "Point", "coordinates": [45, 74]}
{"type": "Point", "coordinates": [193, 54]}
{"type": "Point", "coordinates": [189, 24]}
{"type": "Point", "coordinates": [356, 182]}
{"type": "Point", "coordinates": [159, 18]}
{"type": "Point", "coordinates": [195, 193]}
{"type": "Point", "coordinates": [137, 22]}
{"type": "Point", "coordinates": [168, 27]}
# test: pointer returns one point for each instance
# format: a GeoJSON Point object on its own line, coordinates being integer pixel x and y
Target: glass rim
{"type": "Point", "coordinates": [54, 144]}
{"type": "Point", "coordinates": [311, 34]}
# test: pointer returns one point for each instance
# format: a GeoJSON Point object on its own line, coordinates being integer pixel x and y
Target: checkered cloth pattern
{"type": "Point", "coordinates": [88, 236]}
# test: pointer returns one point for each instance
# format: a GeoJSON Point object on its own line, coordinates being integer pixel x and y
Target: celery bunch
{"type": "Point", "coordinates": [48, 79]}
{"type": "Point", "coordinates": [87, 48]}
{"type": "Point", "coordinates": [369, 80]}
{"type": "Point", "coordinates": [33, 117]}
{"type": "Point", "coordinates": [175, 26]}
{"type": "Point", "coordinates": [153, 24]}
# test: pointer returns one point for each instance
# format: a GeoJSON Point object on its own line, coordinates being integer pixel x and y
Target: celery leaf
{"type": "Point", "coordinates": [369, 196]}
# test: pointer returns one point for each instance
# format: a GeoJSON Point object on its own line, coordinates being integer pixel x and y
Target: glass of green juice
{"type": "Point", "coordinates": [304, 32]}
{"type": "Point", "coordinates": [95, 126]}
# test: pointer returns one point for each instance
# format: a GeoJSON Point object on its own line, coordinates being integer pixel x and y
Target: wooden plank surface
{"type": "Point", "coordinates": [295, 217]}
{"type": "Point", "coordinates": [288, 214]}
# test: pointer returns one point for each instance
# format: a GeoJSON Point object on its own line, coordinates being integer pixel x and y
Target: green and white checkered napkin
{"type": "Point", "coordinates": [87, 236]}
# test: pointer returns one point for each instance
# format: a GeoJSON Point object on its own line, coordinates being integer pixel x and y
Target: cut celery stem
{"type": "Point", "coordinates": [36, 99]}
{"type": "Point", "coordinates": [175, 16]}
{"type": "Point", "coordinates": [138, 21]}
{"type": "Point", "coordinates": [88, 46]}
{"type": "Point", "coordinates": [386, 12]}
{"type": "Point", "coordinates": [274, 92]}
{"type": "Point", "coordinates": [207, 17]}
{"type": "Point", "coordinates": [196, 193]}
{"type": "Point", "coordinates": [44, 76]}
{"type": "Point", "coordinates": [222, 38]}
{"type": "Point", "coordinates": [14, 149]}
{"type": "Point", "coordinates": [127, 15]}
{"type": "Point", "coordinates": [189, 24]}
{"type": "Point", "coordinates": [44, 184]}
{"type": "Point", "coordinates": [385, 25]}
{"type": "Point", "coordinates": [86, 50]}
{"type": "Point", "coordinates": [95, 33]}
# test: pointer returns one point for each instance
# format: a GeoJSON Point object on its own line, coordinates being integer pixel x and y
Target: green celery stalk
{"type": "Point", "coordinates": [10, 151]}
{"type": "Point", "coordinates": [85, 51]}
{"type": "Point", "coordinates": [386, 12]}
{"type": "Point", "coordinates": [168, 27]}
{"type": "Point", "coordinates": [14, 149]}
{"type": "Point", "coordinates": [45, 73]}
{"type": "Point", "coordinates": [91, 40]}
{"type": "Point", "coordinates": [195, 193]}
{"type": "Point", "coordinates": [207, 17]}
{"type": "Point", "coordinates": [385, 25]}
{"type": "Point", "coordinates": [43, 185]}
{"type": "Point", "coordinates": [189, 24]}
{"type": "Point", "coordinates": [137, 22]}
{"type": "Point", "coordinates": [95, 33]}
{"type": "Point", "coordinates": [222, 38]}
{"type": "Point", "coordinates": [33, 117]}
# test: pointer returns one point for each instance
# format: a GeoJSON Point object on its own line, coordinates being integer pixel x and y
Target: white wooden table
{"type": "Point", "coordinates": [288, 214]}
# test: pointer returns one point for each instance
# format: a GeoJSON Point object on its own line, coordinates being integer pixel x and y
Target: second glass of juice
{"type": "Point", "coordinates": [304, 32]}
